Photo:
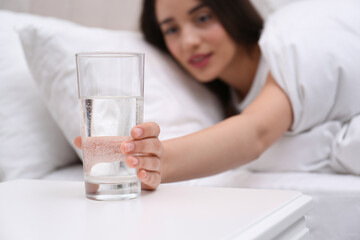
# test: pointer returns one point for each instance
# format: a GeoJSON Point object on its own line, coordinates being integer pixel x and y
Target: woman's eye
{"type": "Point", "coordinates": [203, 18]}
{"type": "Point", "coordinates": [170, 31]}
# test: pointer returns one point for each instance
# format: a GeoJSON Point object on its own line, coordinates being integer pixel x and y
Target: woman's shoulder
{"type": "Point", "coordinates": [311, 46]}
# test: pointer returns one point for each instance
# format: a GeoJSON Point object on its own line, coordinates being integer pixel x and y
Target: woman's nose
{"type": "Point", "coordinates": [190, 38]}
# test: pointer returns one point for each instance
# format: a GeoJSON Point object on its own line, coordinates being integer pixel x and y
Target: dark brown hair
{"type": "Point", "coordinates": [238, 17]}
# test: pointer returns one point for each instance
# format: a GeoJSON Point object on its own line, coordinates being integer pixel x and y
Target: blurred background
{"type": "Point", "coordinates": [123, 14]}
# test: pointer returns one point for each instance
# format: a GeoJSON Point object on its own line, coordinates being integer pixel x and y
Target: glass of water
{"type": "Point", "coordinates": [111, 90]}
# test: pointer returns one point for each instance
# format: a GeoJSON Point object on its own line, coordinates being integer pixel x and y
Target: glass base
{"type": "Point", "coordinates": [112, 191]}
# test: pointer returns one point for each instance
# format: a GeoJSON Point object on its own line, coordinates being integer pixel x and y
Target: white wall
{"type": "Point", "coordinates": [112, 14]}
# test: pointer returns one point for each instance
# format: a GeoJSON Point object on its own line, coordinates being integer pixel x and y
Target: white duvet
{"type": "Point", "coordinates": [312, 48]}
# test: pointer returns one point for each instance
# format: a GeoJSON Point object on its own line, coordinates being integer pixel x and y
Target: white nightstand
{"type": "Point", "coordinates": [43, 210]}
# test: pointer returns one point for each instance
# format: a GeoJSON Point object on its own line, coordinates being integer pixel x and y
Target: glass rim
{"type": "Point", "coordinates": [109, 54]}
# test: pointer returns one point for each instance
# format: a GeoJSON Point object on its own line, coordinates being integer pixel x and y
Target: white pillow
{"type": "Point", "coordinates": [173, 99]}
{"type": "Point", "coordinates": [31, 144]}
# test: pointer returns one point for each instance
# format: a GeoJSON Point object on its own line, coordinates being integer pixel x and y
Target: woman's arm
{"type": "Point", "coordinates": [232, 142]}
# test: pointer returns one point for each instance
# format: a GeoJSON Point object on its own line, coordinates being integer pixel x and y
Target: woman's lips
{"type": "Point", "coordinates": [200, 60]}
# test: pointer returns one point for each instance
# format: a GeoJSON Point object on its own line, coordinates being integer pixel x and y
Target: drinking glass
{"type": "Point", "coordinates": [111, 90]}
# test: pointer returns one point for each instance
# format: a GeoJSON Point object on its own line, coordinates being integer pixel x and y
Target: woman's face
{"type": "Point", "coordinates": [195, 37]}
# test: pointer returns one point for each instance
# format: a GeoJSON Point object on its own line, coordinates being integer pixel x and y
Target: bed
{"type": "Point", "coordinates": [36, 139]}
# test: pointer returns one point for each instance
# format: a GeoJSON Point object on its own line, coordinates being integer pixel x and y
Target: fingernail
{"type": "Point", "coordinates": [138, 132]}
{"type": "Point", "coordinates": [134, 161]}
{"type": "Point", "coordinates": [129, 147]}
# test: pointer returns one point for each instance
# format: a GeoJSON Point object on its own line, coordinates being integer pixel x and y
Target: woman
{"type": "Point", "coordinates": [219, 41]}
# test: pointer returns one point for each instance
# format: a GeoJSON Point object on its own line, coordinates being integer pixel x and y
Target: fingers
{"type": "Point", "coordinates": [145, 142]}
{"type": "Point", "coordinates": [77, 142]}
{"type": "Point", "coordinates": [149, 163]}
{"type": "Point", "coordinates": [149, 166]}
{"type": "Point", "coordinates": [145, 130]}
{"type": "Point", "coordinates": [150, 146]}
{"type": "Point", "coordinates": [149, 180]}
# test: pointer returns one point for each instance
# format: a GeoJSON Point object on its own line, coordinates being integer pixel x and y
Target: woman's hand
{"type": "Point", "coordinates": [144, 152]}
